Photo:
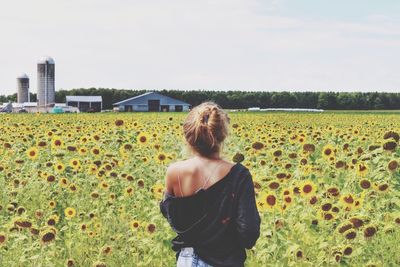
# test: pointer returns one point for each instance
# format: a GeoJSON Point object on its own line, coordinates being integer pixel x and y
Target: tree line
{"type": "Point", "coordinates": [246, 99]}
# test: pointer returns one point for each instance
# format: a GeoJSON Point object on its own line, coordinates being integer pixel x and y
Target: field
{"type": "Point", "coordinates": [83, 189]}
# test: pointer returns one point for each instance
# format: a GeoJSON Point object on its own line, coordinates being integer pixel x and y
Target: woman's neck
{"type": "Point", "coordinates": [214, 156]}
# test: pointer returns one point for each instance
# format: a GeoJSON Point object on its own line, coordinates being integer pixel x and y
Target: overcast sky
{"type": "Point", "coordinates": [275, 45]}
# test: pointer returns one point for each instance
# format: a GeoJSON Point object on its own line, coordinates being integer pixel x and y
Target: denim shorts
{"type": "Point", "coordinates": [187, 258]}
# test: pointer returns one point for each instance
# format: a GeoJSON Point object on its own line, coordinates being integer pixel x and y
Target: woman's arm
{"type": "Point", "coordinates": [168, 189]}
{"type": "Point", "coordinates": [169, 179]}
{"type": "Point", "coordinates": [248, 219]}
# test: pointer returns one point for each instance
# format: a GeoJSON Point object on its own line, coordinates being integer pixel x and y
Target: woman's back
{"type": "Point", "coordinates": [185, 178]}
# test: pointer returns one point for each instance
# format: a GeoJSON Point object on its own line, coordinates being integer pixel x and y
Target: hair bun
{"type": "Point", "coordinates": [204, 118]}
{"type": "Point", "coordinates": [206, 127]}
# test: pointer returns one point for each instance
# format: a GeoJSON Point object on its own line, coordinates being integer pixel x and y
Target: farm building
{"type": "Point", "coordinates": [152, 101]}
{"type": "Point", "coordinates": [85, 103]}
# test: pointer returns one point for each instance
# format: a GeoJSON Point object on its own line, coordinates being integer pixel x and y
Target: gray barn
{"type": "Point", "coordinates": [85, 103]}
{"type": "Point", "coordinates": [152, 101]}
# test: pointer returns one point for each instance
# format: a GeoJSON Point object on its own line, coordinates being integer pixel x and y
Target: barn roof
{"type": "Point", "coordinates": [142, 99]}
{"type": "Point", "coordinates": [83, 98]}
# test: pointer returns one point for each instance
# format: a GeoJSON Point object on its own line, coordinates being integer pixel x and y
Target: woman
{"type": "Point", "coordinates": [210, 202]}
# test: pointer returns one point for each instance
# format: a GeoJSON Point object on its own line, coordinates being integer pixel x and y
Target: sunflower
{"type": "Point", "coordinates": [32, 153]}
{"type": "Point", "coordinates": [350, 234]}
{"type": "Point", "coordinates": [112, 197]}
{"type": "Point", "coordinates": [70, 263]}
{"type": "Point", "coordinates": [327, 206]}
{"type": "Point", "coordinates": [313, 200]}
{"type": "Point", "coordinates": [84, 139]}
{"type": "Point", "coordinates": [129, 191]}
{"type": "Point", "coordinates": [134, 225]}
{"type": "Point", "coordinates": [347, 200]}
{"type": "Point", "coordinates": [47, 235]}
{"type": "Point", "coordinates": [57, 143]}
{"type": "Point", "coordinates": [22, 222]}
{"type": "Point", "coordinates": [157, 191]}
{"type": "Point", "coordinates": [99, 264]}
{"type": "Point", "coordinates": [358, 202]}
{"type": "Point", "coordinates": [140, 183]}
{"type": "Point", "coordinates": [361, 169]}
{"type": "Point", "coordinates": [82, 151]}
{"type": "Point", "coordinates": [104, 185]}
{"type": "Point", "coordinates": [54, 218]}
{"type": "Point", "coordinates": [343, 227]}
{"type": "Point", "coordinates": [39, 214]}
{"type": "Point", "coordinates": [92, 169]}
{"type": "Point", "coordinates": [92, 234]}
{"type": "Point", "coordinates": [348, 250]}
{"type": "Point", "coordinates": [270, 200]}
{"type": "Point", "coordinates": [106, 250]}
{"type": "Point", "coordinates": [309, 148]}
{"type": "Point", "coordinates": [52, 204]}
{"type": "Point", "coordinates": [126, 148]}
{"type": "Point", "coordinates": [328, 216]}
{"type": "Point", "coordinates": [75, 163]}
{"type": "Point", "coordinates": [307, 188]}
{"type": "Point", "coordinates": [59, 167]}
{"type": "Point", "coordinates": [365, 184]}
{"type": "Point", "coordinates": [70, 212]}
{"type": "Point", "coordinates": [97, 225]}
{"type": "Point", "coordinates": [357, 222]}
{"type": "Point", "coordinates": [328, 152]}
{"type": "Point", "coordinates": [64, 182]}
{"type": "Point", "coordinates": [287, 198]}
{"type": "Point", "coordinates": [382, 188]}
{"type": "Point", "coordinates": [72, 187]}
{"type": "Point", "coordinates": [273, 185]}
{"type": "Point", "coordinates": [143, 138]}
{"type": "Point", "coordinates": [333, 192]}
{"type": "Point", "coordinates": [161, 157]}
{"type": "Point", "coordinates": [369, 231]}
{"type": "Point", "coordinates": [3, 238]}
{"type": "Point", "coordinates": [95, 151]}
{"type": "Point", "coordinates": [151, 227]}
{"type": "Point", "coordinates": [393, 165]}
{"type": "Point", "coordinates": [50, 178]}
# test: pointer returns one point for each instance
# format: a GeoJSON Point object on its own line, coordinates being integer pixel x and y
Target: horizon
{"type": "Point", "coordinates": [223, 91]}
{"type": "Point", "coordinates": [237, 45]}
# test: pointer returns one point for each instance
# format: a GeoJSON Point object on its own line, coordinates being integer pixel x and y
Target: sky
{"type": "Point", "coordinates": [251, 45]}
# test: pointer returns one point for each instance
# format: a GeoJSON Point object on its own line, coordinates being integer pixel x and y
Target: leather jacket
{"type": "Point", "coordinates": [219, 222]}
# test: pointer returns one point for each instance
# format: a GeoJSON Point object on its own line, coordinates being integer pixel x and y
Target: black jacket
{"type": "Point", "coordinates": [218, 222]}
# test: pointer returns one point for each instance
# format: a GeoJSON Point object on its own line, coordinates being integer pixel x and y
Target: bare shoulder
{"type": "Point", "coordinates": [173, 167]}
{"type": "Point", "coordinates": [172, 170]}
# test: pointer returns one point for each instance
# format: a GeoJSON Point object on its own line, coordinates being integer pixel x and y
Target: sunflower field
{"type": "Point", "coordinates": [84, 189]}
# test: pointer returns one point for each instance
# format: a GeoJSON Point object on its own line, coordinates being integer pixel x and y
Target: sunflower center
{"type": "Point", "coordinates": [271, 200]}
{"type": "Point", "coordinates": [307, 188]}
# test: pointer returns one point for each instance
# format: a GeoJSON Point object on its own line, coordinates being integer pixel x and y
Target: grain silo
{"type": "Point", "coordinates": [22, 88]}
{"type": "Point", "coordinates": [46, 82]}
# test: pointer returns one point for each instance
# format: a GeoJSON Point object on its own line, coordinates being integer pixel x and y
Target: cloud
{"type": "Point", "coordinates": [235, 44]}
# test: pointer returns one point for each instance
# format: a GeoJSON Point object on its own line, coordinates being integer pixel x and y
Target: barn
{"type": "Point", "coordinates": [151, 101]}
{"type": "Point", "coordinates": [85, 103]}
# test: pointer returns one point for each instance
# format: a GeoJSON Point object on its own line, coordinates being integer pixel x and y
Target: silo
{"type": "Point", "coordinates": [22, 88]}
{"type": "Point", "coordinates": [46, 82]}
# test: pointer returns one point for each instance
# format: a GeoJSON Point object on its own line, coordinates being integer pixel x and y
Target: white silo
{"type": "Point", "coordinates": [46, 82]}
{"type": "Point", "coordinates": [23, 88]}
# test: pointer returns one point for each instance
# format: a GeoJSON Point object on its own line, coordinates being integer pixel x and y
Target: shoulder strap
{"type": "Point", "coordinates": [180, 186]}
{"type": "Point", "coordinates": [205, 182]}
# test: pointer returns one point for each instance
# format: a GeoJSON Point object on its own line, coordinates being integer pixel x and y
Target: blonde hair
{"type": "Point", "coordinates": [206, 127]}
